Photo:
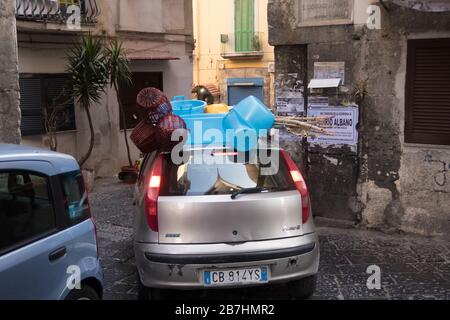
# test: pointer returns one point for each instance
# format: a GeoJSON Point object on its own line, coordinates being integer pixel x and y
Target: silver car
{"type": "Point", "coordinates": [208, 224]}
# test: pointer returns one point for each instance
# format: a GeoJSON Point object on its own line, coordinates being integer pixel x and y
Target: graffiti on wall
{"type": "Point", "coordinates": [289, 90]}
{"type": "Point", "coordinates": [440, 176]}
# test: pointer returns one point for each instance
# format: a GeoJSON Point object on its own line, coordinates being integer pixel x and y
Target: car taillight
{"type": "Point", "coordinates": [151, 199]}
{"type": "Point", "coordinates": [300, 183]}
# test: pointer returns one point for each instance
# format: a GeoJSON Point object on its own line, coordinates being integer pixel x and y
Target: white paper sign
{"type": "Point", "coordinates": [324, 83]}
{"type": "Point", "coordinates": [329, 70]}
{"type": "Point", "coordinates": [318, 102]}
{"type": "Point", "coordinates": [342, 125]}
{"type": "Point", "coordinates": [290, 103]}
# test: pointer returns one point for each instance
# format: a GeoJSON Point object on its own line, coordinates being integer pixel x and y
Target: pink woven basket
{"type": "Point", "coordinates": [160, 112]}
{"type": "Point", "coordinates": [145, 137]}
{"type": "Point", "coordinates": [166, 126]}
{"type": "Point", "coordinates": [153, 105]}
{"type": "Point", "coordinates": [151, 98]}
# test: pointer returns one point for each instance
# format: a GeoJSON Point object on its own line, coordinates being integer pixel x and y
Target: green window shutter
{"type": "Point", "coordinates": [244, 24]}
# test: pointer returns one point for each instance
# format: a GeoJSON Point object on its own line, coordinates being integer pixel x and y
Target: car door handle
{"type": "Point", "coordinates": [57, 254]}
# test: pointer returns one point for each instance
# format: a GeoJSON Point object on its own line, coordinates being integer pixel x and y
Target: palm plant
{"type": "Point", "coordinates": [119, 74]}
{"type": "Point", "coordinates": [89, 74]}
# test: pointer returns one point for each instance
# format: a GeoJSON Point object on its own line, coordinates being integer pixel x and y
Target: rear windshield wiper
{"type": "Point", "coordinates": [248, 191]}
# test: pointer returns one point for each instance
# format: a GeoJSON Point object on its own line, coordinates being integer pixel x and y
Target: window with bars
{"type": "Point", "coordinates": [43, 97]}
{"type": "Point", "coordinates": [428, 92]}
{"type": "Point", "coordinates": [244, 25]}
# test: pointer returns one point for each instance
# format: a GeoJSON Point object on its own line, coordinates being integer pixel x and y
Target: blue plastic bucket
{"type": "Point", "coordinates": [201, 124]}
{"type": "Point", "coordinates": [252, 112]}
{"type": "Point", "coordinates": [188, 107]}
{"type": "Point", "coordinates": [240, 135]}
{"type": "Point", "coordinates": [247, 120]}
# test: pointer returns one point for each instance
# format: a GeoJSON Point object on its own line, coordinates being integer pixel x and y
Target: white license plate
{"type": "Point", "coordinates": [236, 276]}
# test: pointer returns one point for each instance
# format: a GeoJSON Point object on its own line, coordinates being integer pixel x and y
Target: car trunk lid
{"type": "Point", "coordinates": [219, 219]}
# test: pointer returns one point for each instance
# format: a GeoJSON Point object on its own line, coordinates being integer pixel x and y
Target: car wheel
{"type": "Point", "coordinates": [85, 293]}
{"type": "Point", "coordinates": [145, 293]}
{"type": "Point", "coordinates": [304, 288]}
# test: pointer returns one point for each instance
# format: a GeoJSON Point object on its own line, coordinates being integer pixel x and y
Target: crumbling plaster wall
{"type": "Point", "coordinates": [402, 186]}
{"type": "Point", "coordinates": [9, 77]}
{"type": "Point", "coordinates": [397, 186]}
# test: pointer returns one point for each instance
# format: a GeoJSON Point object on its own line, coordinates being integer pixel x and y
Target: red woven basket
{"type": "Point", "coordinates": [151, 98]}
{"type": "Point", "coordinates": [145, 137]}
{"type": "Point", "coordinates": [166, 126]}
{"type": "Point", "coordinates": [153, 105]}
{"type": "Point", "coordinates": [160, 112]}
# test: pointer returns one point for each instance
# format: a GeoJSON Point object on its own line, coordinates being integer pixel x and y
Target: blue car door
{"type": "Point", "coordinates": [33, 248]}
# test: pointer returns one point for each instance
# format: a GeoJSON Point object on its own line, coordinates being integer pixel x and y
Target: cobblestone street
{"type": "Point", "coordinates": [412, 267]}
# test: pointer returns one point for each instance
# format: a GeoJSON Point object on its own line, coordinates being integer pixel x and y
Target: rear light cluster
{"type": "Point", "coordinates": [151, 199]}
{"type": "Point", "coordinates": [300, 183]}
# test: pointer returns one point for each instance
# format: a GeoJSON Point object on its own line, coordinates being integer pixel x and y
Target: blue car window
{"type": "Point", "coordinates": [75, 197]}
{"type": "Point", "coordinates": [26, 208]}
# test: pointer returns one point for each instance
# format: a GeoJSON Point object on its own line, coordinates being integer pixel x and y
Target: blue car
{"type": "Point", "coordinates": [48, 242]}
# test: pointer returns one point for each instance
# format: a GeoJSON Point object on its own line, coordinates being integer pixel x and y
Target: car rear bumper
{"type": "Point", "coordinates": [181, 266]}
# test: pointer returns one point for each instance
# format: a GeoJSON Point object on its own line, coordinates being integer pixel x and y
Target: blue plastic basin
{"type": "Point", "coordinates": [188, 107]}
{"type": "Point", "coordinates": [201, 124]}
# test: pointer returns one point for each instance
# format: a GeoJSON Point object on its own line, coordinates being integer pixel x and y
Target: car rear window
{"type": "Point", "coordinates": [221, 172]}
{"type": "Point", "coordinates": [75, 197]}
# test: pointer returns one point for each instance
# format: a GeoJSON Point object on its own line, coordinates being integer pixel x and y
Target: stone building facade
{"type": "Point", "coordinates": [397, 53]}
{"type": "Point", "coordinates": [158, 38]}
{"type": "Point", "coordinates": [9, 84]}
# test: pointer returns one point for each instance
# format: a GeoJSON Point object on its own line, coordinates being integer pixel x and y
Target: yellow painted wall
{"type": "Point", "coordinates": [213, 18]}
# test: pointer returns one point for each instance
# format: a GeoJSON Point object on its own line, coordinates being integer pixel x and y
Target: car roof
{"type": "Point", "coordinates": [60, 163]}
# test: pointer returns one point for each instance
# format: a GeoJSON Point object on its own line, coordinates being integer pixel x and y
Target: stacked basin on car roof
{"type": "Point", "coordinates": [238, 129]}
{"type": "Point", "coordinates": [183, 107]}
